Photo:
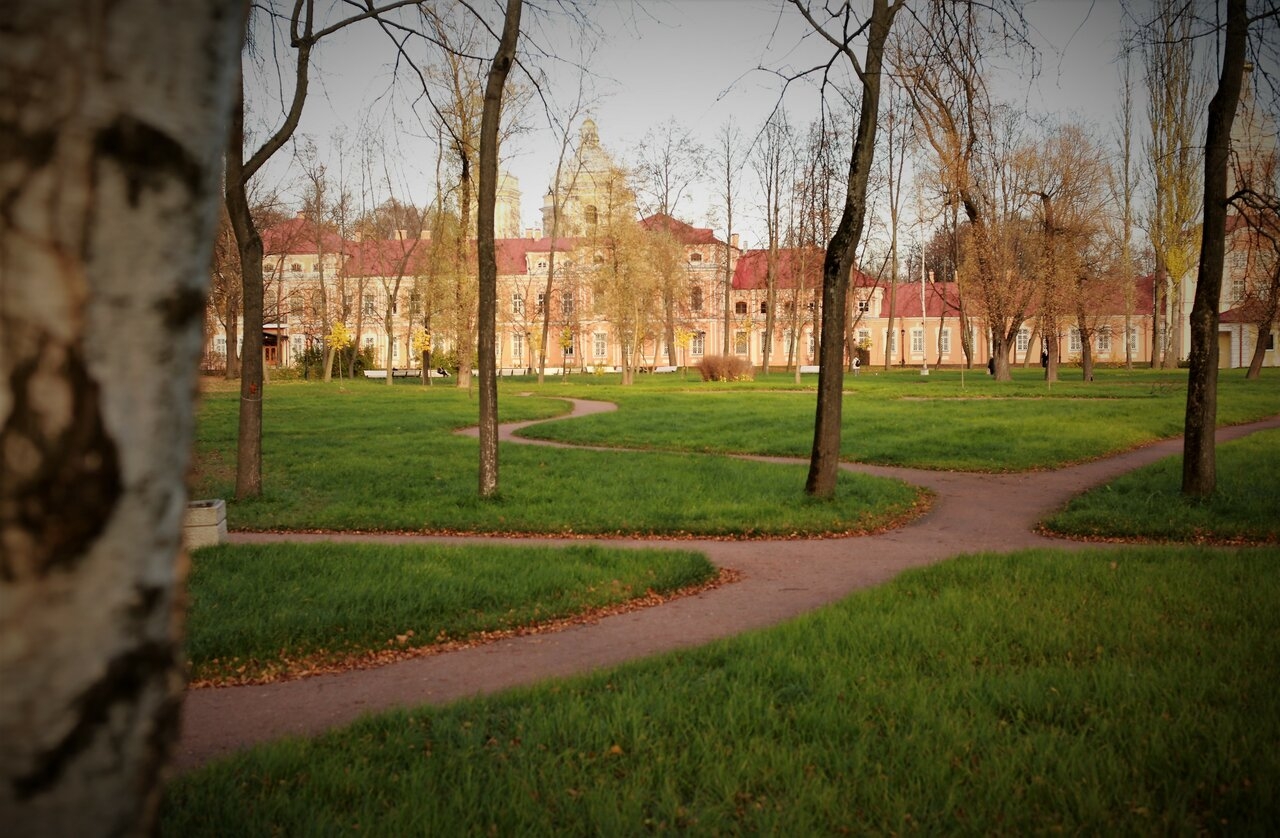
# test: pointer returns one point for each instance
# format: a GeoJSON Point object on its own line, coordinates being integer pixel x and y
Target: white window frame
{"type": "Point", "coordinates": [699, 343]}
{"type": "Point", "coordinates": [917, 341]}
{"type": "Point", "coordinates": [944, 343]}
{"type": "Point", "coordinates": [1022, 341]}
{"type": "Point", "coordinates": [600, 344]}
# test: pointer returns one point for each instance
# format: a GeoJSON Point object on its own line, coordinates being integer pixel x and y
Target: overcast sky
{"type": "Point", "coordinates": [695, 60]}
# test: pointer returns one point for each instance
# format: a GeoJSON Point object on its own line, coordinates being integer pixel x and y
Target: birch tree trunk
{"type": "Point", "coordinates": [112, 120]}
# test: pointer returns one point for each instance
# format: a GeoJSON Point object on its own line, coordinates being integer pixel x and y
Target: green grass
{"type": "Point", "coordinates": [365, 456]}
{"type": "Point", "coordinates": [1148, 504]}
{"type": "Point", "coordinates": [270, 610]}
{"type": "Point", "coordinates": [903, 418]}
{"type": "Point", "coordinates": [1116, 692]}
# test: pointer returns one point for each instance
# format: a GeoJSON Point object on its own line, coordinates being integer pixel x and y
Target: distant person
{"type": "Point", "coordinates": [1044, 358]}
{"type": "Point", "coordinates": [857, 364]}
{"type": "Point", "coordinates": [991, 365]}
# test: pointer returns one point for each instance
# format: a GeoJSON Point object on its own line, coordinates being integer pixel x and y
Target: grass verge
{"type": "Point", "coordinates": [271, 611]}
{"type": "Point", "coordinates": [1147, 504]}
{"type": "Point", "coordinates": [1120, 692]}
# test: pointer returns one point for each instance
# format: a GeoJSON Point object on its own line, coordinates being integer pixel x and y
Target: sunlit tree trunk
{"type": "Point", "coordinates": [502, 61]}
{"type": "Point", "coordinates": [113, 118]}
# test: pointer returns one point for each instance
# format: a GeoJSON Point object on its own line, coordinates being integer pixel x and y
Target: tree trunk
{"type": "Point", "coordinates": [487, 249]}
{"type": "Point", "coordinates": [1259, 352]}
{"type": "Point", "coordinates": [249, 433]}
{"type": "Point", "coordinates": [113, 118]}
{"type": "Point", "coordinates": [1199, 469]}
{"type": "Point", "coordinates": [232, 332]}
{"type": "Point", "coordinates": [824, 460]}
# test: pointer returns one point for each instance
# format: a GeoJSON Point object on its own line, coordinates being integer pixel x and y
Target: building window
{"type": "Point", "coordinates": [1133, 338]}
{"type": "Point", "coordinates": [917, 341]}
{"type": "Point", "coordinates": [220, 345]}
{"type": "Point", "coordinates": [813, 344]}
{"type": "Point", "coordinates": [864, 306]}
{"type": "Point", "coordinates": [395, 350]}
{"type": "Point", "coordinates": [1073, 340]}
{"type": "Point", "coordinates": [764, 307]}
{"type": "Point", "coordinates": [368, 341]}
{"type": "Point", "coordinates": [890, 344]}
{"type": "Point", "coordinates": [1237, 289]}
{"type": "Point", "coordinates": [370, 305]}
{"type": "Point", "coordinates": [944, 342]}
{"type": "Point", "coordinates": [295, 348]}
{"type": "Point", "coordinates": [591, 214]}
{"type": "Point", "coordinates": [699, 345]}
{"type": "Point", "coordinates": [1023, 341]}
{"type": "Point", "coordinates": [740, 307]}
{"type": "Point", "coordinates": [695, 257]}
{"type": "Point", "coordinates": [542, 264]}
{"type": "Point", "coordinates": [566, 303]}
{"type": "Point", "coordinates": [740, 341]}
{"type": "Point", "coordinates": [864, 337]}
{"type": "Point", "coordinates": [296, 267]}
{"type": "Point", "coordinates": [517, 303]}
{"type": "Point", "coordinates": [599, 343]}
{"type": "Point", "coordinates": [568, 350]}
{"type": "Point", "coordinates": [1104, 340]}
{"type": "Point", "coordinates": [542, 301]}
{"type": "Point", "coordinates": [695, 298]}
{"type": "Point", "coordinates": [517, 348]}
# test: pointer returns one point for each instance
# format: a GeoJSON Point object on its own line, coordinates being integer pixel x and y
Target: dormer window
{"type": "Point", "coordinates": [695, 257]}
{"type": "Point", "coordinates": [296, 267]}
{"type": "Point", "coordinates": [542, 264]}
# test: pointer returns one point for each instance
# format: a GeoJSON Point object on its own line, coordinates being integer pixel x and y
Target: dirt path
{"type": "Point", "coordinates": [780, 579]}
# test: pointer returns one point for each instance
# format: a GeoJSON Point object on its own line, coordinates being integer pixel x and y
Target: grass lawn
{"type": "Point", "coordinates": [262, 612]}
{"type": "Point", "coordinates": [364, 456]}
{"type": "Point", "coordinates": [903, 418]}
{"type": "Point", "coordinates": [1128, 691]}
{"type": "Point", "coordinates": [1147, 504]}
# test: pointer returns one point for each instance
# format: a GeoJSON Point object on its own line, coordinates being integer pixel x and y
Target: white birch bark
{"type": "Point", "coordinates": [112, 117]}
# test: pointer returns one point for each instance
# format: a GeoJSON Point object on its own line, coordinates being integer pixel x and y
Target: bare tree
{"type": "Point", "coordinates": [729, 153]}
{"type": "Point", "coordinates": [773, 152]}
{"type": "Point", "coordinates": [973, 140]}
{"type": "Point", "coordinates": [503, 59]}
{"type": "Point", "coordinates": [241, 167]}
{"type": "Point", "coordinates": [108, 188]}
{"type": "Point", "coordinates": [1199, 455]}
{"type": "Point", "coordinates": [1176, 93]}
{"type": "Point", "coordinates": [840, 28]}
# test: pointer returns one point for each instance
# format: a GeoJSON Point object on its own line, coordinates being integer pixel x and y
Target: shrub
{"type": "Point", "coordinates": [725, 368]}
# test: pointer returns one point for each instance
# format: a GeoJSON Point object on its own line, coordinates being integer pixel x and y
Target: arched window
{"type": "Point", "coordinates": [740, 307]}
{"type": "Point", "coordinates": [695, 257]}
{"type": "Point", "coordinates": [695, 298]}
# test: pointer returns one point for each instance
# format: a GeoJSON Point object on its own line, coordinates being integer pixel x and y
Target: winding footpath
{"type": "Point", "coordinates": [779, 580]}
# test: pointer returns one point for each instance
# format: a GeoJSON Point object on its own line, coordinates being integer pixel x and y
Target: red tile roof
{"type": "Point", "coordinates": [684, 233]}
{"type": "Point", "coordinates": [387, 257]}
{"type": "Point", "coordinates": [513, 253]}
{"type": "Point", "coordinates": [300, 235]}
{"type": "Point", "coordinates": [752, 269]}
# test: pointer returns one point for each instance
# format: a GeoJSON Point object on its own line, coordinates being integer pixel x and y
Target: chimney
{"type": "Point", "coordinates": [733, 241]}
{"type": "Point", "coordinates": [425, 235]}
